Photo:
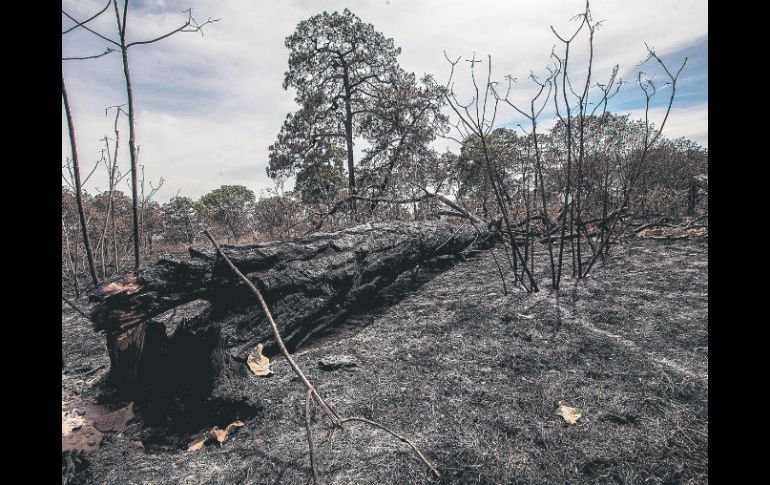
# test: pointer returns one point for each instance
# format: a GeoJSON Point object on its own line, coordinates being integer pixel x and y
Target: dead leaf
{"type": "Point", "coordinates": [258, 363]}
{"type": "Point", "coordinates": [198, 444]}
{"type": "Point", "coordinates": [216, 433]}
{"type": "Point", "coordinates": [570, 415]}
{"type": "Point", "coordinates": [85, 438]}
{"type": "Point", "coordinates": [221, 434]}
{"type": "Point", "coordinates": [233, 425]}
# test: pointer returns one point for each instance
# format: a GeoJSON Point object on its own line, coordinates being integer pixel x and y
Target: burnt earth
{"type": "Point", "coordinates": [471, 375]}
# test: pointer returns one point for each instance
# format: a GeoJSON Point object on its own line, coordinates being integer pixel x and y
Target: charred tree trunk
{"type": "Point", "coordinates": [78, 184]}
{"type": "Point", "coordinates": [180, 311]}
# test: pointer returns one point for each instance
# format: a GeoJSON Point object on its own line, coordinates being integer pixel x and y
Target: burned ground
{"type": "Point", "coordinates": [471, 375]}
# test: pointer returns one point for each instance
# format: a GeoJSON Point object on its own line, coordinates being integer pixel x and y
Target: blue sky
{"type": "Point", "coordinates": [209, 106]}
{"type": "Point", "coordinates": [689, 115]}
{"type": "Point", "coordinates": [692, 86]}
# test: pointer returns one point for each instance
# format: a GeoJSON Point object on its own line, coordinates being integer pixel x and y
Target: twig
{"type": "Point", "coordinates": [311, 392]}
{"type": "Point", "coordinates": [96, 56]}
{"type": "Point", "coordinates": [80, 24]}
{"type": "Point", "coordinates": [74, 307]}
{"type": "Point", "coordinates": [396, 435]}
{"type": "Point", "coordinates": [276, 333]}
{"type": "Point", "coordinates": [308, 399]}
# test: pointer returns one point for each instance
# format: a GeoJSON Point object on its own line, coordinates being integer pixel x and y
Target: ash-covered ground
{"type": "Point", "coordinates": [472, 376]}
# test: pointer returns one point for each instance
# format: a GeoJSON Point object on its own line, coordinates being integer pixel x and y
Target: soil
{"type": "Point", "coordinates": [474, 377]}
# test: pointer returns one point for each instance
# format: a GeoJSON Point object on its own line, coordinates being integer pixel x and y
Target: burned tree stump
{"type": "Point", "coordinates": [180, 308]}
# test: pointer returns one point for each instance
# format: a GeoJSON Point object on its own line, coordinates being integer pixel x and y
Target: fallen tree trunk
{"type": "Point", "coordinates": [181, 322]}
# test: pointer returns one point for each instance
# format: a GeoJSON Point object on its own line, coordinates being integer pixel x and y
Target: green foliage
{"type": "Point", "coordinates": [319, 181]}
{"type": "Point", "coordinates": [182, 219]}
{"type": "Point", "coordinates": [405, 119]}
{"type": "Point", "coordinates": [327, 49]}
{"type": "Point", "coordinates": [278, 215]}
{"type": "Point", "coordinates": [230, 207]}
{"type": "Point", "coordinates": [337, 63]}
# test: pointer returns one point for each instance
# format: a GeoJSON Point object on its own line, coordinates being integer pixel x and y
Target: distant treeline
{"type": "Point", "coordinates": [673, 184]}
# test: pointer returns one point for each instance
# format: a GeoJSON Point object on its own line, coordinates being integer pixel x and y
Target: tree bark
{"type": "Point", "coordinates": [349, 139]}
{"type": "Point", "coordinates": [311, 284]}
{"type": "Point", "coordinates": [131, 131]}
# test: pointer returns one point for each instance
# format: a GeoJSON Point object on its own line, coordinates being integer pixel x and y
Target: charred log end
{"type": "Point", "coordinates": [126, 353]}
{"type": "Point", "coordinates": [127, 284]}
{"type": "Point", "coordinates": [126, 312]}
{"type": "Point", "coordinates": [122, 323]}
{"type": "Point", "coordinates": [178, 354]}
{"type": "Point", "coordinates": [137, 341]}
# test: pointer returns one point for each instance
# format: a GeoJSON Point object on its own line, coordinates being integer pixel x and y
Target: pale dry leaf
{"type": "Point", "coordinates": [570, 415]}
{"type": "Point", "coordinates": [198, 444]}
{"type": "Point", "coordinates": [221, 434]}
{"type": "Point", "coordinates": [235, 424]}
{"type": "Point", "coordinates": [258, 363]}
{"type": "Point", "coordinates": [215, 433]}
{"type": "Point", "coordinates": [218, 434]}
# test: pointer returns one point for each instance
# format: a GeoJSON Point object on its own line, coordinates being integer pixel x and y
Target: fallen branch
{"type": "Point", "coordinates": [308, 400]}
{"type": "Point", "coordinates": [567, 237]}
{"type": "Point", "coordinates": [311, 392]}
{"type": "Point", "coordinates": [668, 238]}
{"type": "Point", "coordinates": [312, 283]}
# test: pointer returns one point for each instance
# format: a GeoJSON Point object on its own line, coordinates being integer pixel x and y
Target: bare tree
{"type": "Point", "coordinates": [73, 145]}
{"type": "Point", "coordinates": [651, 135]}
{"type": "Point", "coordinates": [114, 177]}
{"type": "Point", "coordinates": [78, 184]}
{"type": "Point", "coordinates": [532, 116]}
{"type": "Point", "coordinates": [476, 123]}
{"type": "Point", "coordinates": [190, 25]}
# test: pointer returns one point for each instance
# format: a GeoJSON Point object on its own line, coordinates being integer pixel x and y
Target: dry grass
{"type": "Point", "coordinates": [473, 379]}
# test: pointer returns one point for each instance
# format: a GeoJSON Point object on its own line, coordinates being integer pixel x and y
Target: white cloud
{"type": "Point", "coordinates": [690, 122]}
{"type": "Point", "coordinates": [208, 107]}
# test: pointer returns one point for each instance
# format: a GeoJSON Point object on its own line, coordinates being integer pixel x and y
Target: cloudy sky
{"type": "Point", "coordinates": [209, 106]}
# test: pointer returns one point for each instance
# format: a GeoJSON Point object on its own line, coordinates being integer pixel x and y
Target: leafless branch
{"type": "Point", "coordinates": [311, 392]}
{"type": "Point", "coordinates": [183, 28]}
{"type": "Point", "coordinates": [109, 50]}
{"type": "Point", "coordinates": [88, 20]}
{"type": "Point", "coordinates": [82, 24]}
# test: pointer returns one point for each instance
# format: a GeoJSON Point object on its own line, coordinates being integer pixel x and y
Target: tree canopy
{"type": "Point", "coordinates": [349, 84]}
{"type": "Point", "coordinates": [231, 206]}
